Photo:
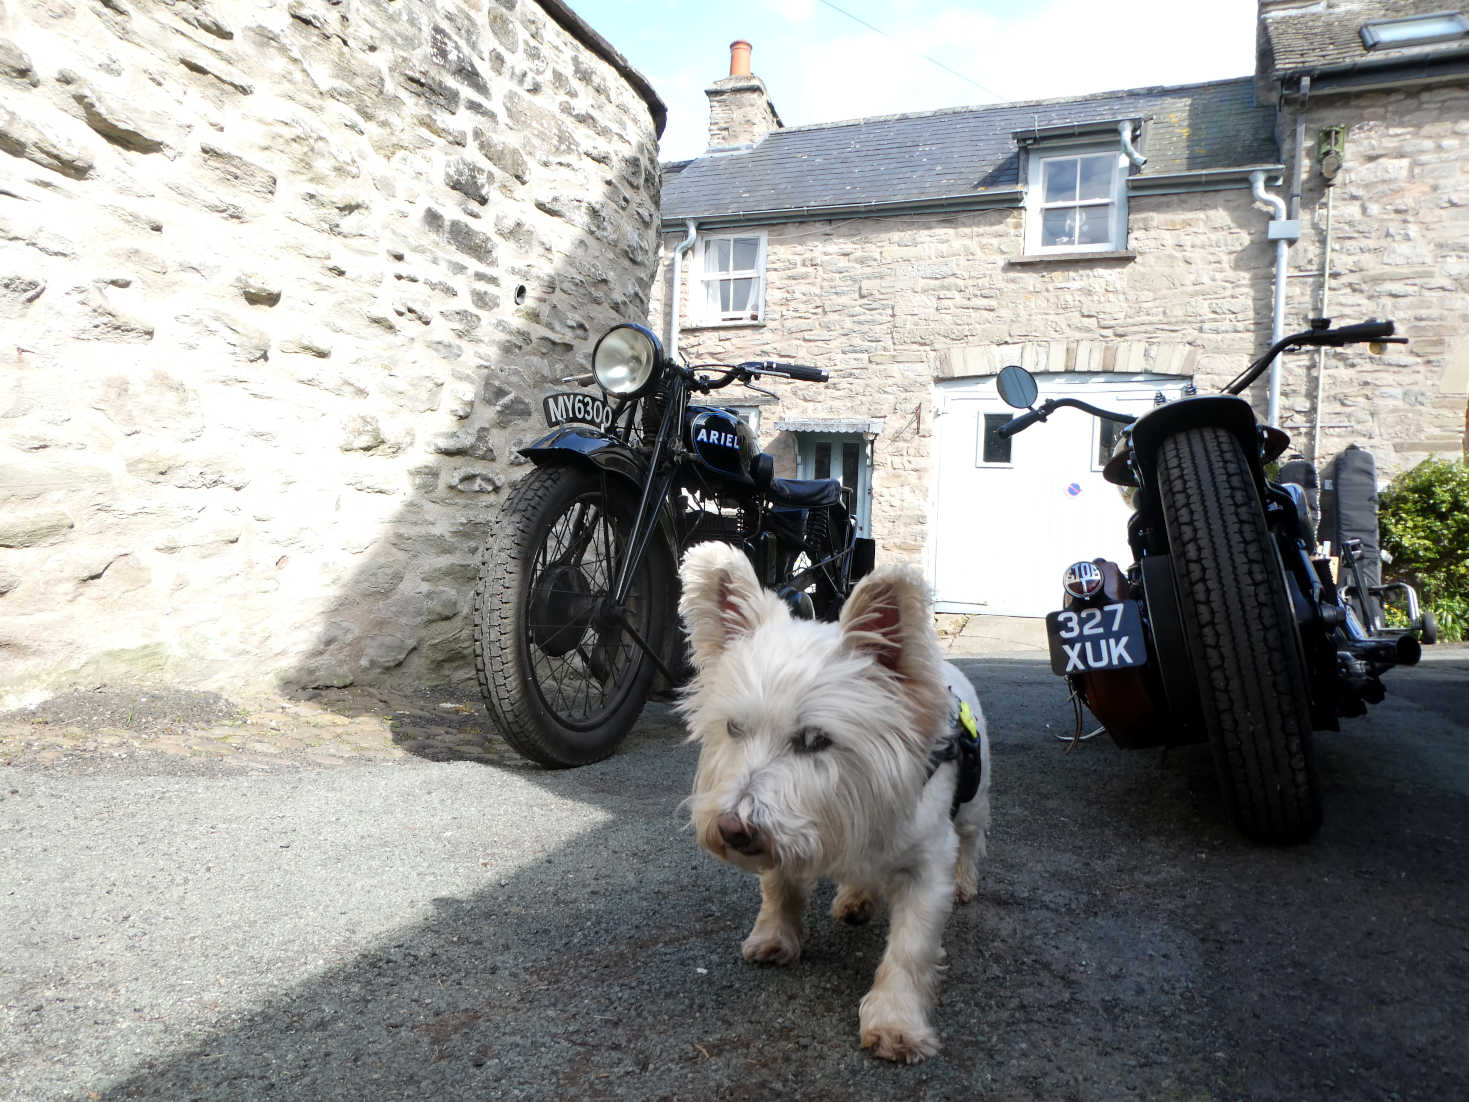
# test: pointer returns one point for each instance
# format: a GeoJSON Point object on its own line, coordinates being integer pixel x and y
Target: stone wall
{"type": "Point", "coordinates": [891, 305]}
{"type": "Point", "coordinates": [1400, 250]}
{"type": "Point", "coordinates": [281, 284]}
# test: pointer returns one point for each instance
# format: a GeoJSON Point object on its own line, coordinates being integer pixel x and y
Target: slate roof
{"type": "Point", "coordinates": [1327, 34]}
{"type": "Point", "coordinates": [962, 154]}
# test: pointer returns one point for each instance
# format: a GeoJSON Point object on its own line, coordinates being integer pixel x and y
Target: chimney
{"type": "Point", "coordinates": [740, 111]}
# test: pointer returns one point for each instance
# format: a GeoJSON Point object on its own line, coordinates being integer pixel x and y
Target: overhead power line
{"type": "Point", "coordinates": [926, 57]}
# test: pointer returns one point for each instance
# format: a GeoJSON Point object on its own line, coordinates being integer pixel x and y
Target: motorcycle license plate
{"type": "Point", "coordinates": [1107, 637]}
{"type": "Point", "coordinates": [568, 407]}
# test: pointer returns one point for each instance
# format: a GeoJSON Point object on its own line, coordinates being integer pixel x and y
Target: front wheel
{"type": "Point", "coordinates": [1242, 636]}
{"type": "Point", "coordinates": [560, 668]}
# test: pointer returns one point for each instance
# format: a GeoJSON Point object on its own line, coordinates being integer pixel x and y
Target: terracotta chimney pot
{"type": "Point", "coordinates": [739, 58]}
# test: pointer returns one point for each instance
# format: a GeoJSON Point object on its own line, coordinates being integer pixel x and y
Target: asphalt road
{"type": "Point", "coordinates": [185, 926]}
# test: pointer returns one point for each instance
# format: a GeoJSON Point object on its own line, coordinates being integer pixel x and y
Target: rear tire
{"type": "Point", "coordinates": [562, 684]}
{"type": "Point", "coordinates": [827, 531]}
{"type": "Point", "coordinates": [1242, 636]}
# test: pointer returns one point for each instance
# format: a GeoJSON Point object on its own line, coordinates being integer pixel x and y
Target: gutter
{"type": "Point", "coordinates": [1166, 183]}
{"type": "Point", "coordinates": [996, 198]}
{"type": "Point", "coordinates": [1380, 72]}
{"type": "Point", "coordinates": [1201, 179]}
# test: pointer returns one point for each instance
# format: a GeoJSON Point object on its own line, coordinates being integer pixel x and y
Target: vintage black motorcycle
{"type": "Point", "coordinates": [576, 606]}
{"type": "Point", "coordinates": [1229, 627]}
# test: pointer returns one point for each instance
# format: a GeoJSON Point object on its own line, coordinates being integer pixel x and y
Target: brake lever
{"type": "Point", "coordinates": [760, 390]}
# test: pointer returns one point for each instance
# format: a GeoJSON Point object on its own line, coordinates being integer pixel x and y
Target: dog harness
{"type": "Point", "coordinates": [961, 743]}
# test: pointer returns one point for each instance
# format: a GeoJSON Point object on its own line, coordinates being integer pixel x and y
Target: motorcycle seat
{"type": "Point", "coordinates": [805, 493]}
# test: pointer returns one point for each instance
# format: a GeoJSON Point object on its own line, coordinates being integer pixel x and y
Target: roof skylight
{"type": "Point", "coordinates": [1415, 30]}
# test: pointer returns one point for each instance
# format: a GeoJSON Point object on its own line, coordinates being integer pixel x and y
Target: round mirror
{"type": "Point", "coordinates": [1017, 387]}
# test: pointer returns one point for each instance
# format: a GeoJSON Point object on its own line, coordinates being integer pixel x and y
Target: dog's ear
{"type": "Point", "coordinates": [722, 599]}
{"type": "Point", "coordinates": [887, 617]}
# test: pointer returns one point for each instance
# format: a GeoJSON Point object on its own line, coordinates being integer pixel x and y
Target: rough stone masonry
{"type": "Point", "coordinates": [280, 284]}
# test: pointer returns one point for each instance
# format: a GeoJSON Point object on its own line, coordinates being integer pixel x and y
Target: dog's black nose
{"type": "Point", "coordinates": [737, 834]}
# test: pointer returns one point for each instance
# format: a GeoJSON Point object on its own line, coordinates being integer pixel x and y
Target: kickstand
{"type": "Point", "coordinates": [1076, 736]}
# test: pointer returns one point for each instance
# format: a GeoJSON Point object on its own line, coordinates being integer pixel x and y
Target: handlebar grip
{"type": "Point", "coordinates": [1363, 331]}
{"type": "Point", "coordinates": [798, 371]}
{"type": "Point", "coordinates": [1018, 424]}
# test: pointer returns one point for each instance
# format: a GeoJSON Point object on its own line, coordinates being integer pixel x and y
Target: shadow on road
{"type": "Point", "coordinates": [1125, 943]}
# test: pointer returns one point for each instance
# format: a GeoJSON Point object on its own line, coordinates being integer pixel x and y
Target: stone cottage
{"type": "Point", "coordinates": [280, 286]}
{"type": "Point", "coordinates": [1127, 243]}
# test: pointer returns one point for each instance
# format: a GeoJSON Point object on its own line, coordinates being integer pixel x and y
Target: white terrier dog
{"type": "Point", "coordinates": [830, 751]}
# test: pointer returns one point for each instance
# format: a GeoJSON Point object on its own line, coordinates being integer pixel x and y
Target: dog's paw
{"type": "Point", "coordinates": [771, 946]}
{"type": "Point", "coordinates": [902, 1043]}
{"type": "Point", "coordinates": [853, 906]}
{"type": "Point", "coordinates": [966, 886]}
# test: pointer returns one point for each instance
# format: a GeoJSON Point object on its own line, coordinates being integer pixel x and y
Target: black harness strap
{"type": "Point", "coordinates": [960, 743]}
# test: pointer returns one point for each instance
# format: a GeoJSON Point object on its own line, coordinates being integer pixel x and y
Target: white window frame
{"type": "Point", "coordinates": [700, 311]}
{"type": "Point", "coordinates": [1036, 204]}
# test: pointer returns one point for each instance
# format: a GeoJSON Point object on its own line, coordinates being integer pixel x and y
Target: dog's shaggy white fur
{"type": "Point", "coordinates": [814, 763]}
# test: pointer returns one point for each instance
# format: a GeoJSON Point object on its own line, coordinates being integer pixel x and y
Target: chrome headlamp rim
{"type": "Point", "coordinates": [625, 360]}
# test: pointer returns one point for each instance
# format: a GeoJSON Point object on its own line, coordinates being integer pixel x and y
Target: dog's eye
{"type": "Point", "coordinates": [811, 740]}
{"type": "Point", "coordinates": [734, 729]}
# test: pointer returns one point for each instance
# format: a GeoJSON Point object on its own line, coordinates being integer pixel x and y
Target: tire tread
{"type": "Point", "coordinates": [1246, 657]}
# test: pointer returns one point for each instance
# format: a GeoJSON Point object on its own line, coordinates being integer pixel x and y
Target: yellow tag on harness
{"type": "Point", "coordinates": [967, 720]}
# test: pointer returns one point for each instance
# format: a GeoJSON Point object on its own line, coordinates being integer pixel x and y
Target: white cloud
{"type": "Point", "coordinates": [829, 68]}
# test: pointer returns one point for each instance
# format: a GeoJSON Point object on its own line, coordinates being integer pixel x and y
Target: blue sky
{"type": "Point", "coordinates": [820, 65]}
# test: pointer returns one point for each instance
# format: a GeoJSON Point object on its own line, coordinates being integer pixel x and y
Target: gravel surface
{"type": "Point", "coordinates": [351, 897]}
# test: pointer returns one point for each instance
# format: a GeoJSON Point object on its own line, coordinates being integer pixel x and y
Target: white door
{"type": "Point", "coordinates": [1010, 517]}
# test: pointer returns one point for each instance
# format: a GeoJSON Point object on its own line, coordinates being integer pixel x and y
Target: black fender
{"type": "Point", "coordinates": [1224, 410]}
{"type": "Point", "coordinates": [595, 450]}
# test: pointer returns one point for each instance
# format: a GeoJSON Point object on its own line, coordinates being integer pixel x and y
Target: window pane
{"type": "Point", "coordinates": [1096, 176]}
{"type": "Point", "coordinates": [724, 296]}
{"type": "Point", "coordinates": [746, 252]}
{"type": "Point", "coordinates": [1095, 224]}
{"type": "Point", "coordinates": [740, 293]}
{"type": "Point", "coordinates": [851, 453]}
{"type": "Point", "coordinates": [716, 255]}
{"type": "Point", "coordinates": [821, 465]}
{"type": "Point", "coordinates": [1058, 227]}
{"type": "Point", "coordinates": [1107, 433]}
{"type": "Point", "coordinates": [1060, 180]}
{"type": "Point", "coordinates": [995, 448]}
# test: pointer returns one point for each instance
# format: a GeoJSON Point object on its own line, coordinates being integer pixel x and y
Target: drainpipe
{"type": "Point", "coordinates": [1321, 352]}
{"type": "Point", "coordinates": [1283, 230]}
{"type": "Point", "coordinates": [676, 291]}
{"type": "Point", "coordinates": [1276, 230]}
{"type": "Point", "coordinates": [1125, 129]}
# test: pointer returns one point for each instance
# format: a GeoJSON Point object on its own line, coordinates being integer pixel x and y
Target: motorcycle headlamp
{"type": "Point", "coordinates": [625, 360]}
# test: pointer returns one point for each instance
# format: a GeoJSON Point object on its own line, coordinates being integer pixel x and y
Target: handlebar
{"type": "Point", "coordinates": [790, 371]}
{"type": "Point", "coordinates": [1354, 334]}
{"type": "Point", "coordinates": [1318, 336]}
{"type": "Point", "coordinates": [750, 369]}
{"type": "Point", "coordinates": [1022, 422]}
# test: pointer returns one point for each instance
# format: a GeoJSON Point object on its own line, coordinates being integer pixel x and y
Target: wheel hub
{"type": "Point", "coordinates": [562, 606]}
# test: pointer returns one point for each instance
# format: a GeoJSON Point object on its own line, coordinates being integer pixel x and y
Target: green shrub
{"type": "Point", "coordinates": [1424, 519]}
